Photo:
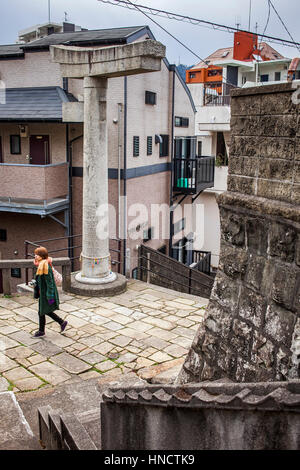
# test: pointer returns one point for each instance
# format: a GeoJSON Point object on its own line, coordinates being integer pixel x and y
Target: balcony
{"type": "Point", "coordinates": [218, 100]}
{"type": "Point", "coordinates": [33, 189]}
{"type": "Point", "coordinates": [193, 175]}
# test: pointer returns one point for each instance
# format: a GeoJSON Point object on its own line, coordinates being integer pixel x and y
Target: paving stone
{"type": "Point", "coordinates": [126, 358]}
{"type": "Point", "coordinates": [24, 337]}
{"type": "Point", "coordinates": [138, 315]}
{"type": "Point", "coordinates": [66, 307]}
{"type": "Point", "coordinates": [121, 340]}
{"type": "Point", "coordinates": [143, 362]}
{"type": "Point", "coordinates": [124, 311]}
{"type": "Point", "coordinates": [103, 312]}
{"type": "Point", "coordinates": [36, 359]}
{"type": "Point", "coordinates": [122, 319]}
{"type": "Point", "coordinates": [90, 374]}
{"type": "Point", "coordinates": [58, 339]}
{"type": "Point", "coordinates": [138, 335]}
{"type": "Point", "coordinates": [111, 325]}
{"type": "Point", "coordinates": [147, 352]}
{"type": "Point", "coordinates": [98, 320]}
{"type": "Point", "coordinates": [181, 300]}
{"type": "Point", "coordinates": [6, 343]}
{"type": "Point", "coordinates": [171, 303]}
{"type": "Point", "coordinates": [93, 357]}
{"type": "Point", "coordinates": [19, 352]}
{"type": "Point", "coordinates": [184, 332]}
{"type": "Point", "coordinates": [70, 363]}
{"type": "Point", "coordinates": [6, 363]}
{"type": "Point", "coordinates": [75, 322]}
{"type": "Point", "coordinates": [182, 313]}
{"type": "Point", "coordinates": [16, 374]}
{"type": "Point", "coordinates": [91, 341]}
{"type": "Point", "coordinates": [164, 324]}
{"type": "Point", "coordinates": [140, 326]}
{"type": "Point", "coordinates": [176, 350]}
{"type": "Point", "coordinates": [46, 348]}
{"type": "Point", "coordinates": [163, 334]}
{"type": "Point", "coordinates": [182, 341]}
{"type": "Point", "coordinates": [28, 384]}
{"type": "Point", "coordinates": [197, 318]}
{"type": "Point", "coordinates": [185, 322]}
{"type": "Point", "coordinates": [160, 357]}
{"type": "Point", "coordinates": [5, 330]}
{"type": "Point", "coordinates": [107, 335]}
{"type": "Point", "coordinates": [155, 342]}
{"type": "Point", "coordinates": [4, 384]}
{"type": "Point", "coordinates": [104, 348]}
{"type": "Point", "coordinates": [152, 371]}
{"type": "Point", "coordinates": [105, 366]}
{"type": "Point", "coordinates": [8, 303]}
{"type": "Point", "coordinates": [27, 312]}
{"type": "Point", "coordinates": [50, 373]}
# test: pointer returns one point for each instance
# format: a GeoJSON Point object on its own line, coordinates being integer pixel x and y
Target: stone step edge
{"type": "Point", "coordinates": [62, 431]}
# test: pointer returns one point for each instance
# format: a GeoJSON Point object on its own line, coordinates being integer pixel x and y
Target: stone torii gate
{"type": "Point", "coordinates": [95, 66]}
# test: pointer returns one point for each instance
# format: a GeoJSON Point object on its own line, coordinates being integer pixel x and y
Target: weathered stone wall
{"type": "Point", "coordinates": [251, 330]}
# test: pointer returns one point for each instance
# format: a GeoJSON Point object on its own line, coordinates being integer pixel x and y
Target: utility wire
{"type": "Point", "coordinates": [196, 21]}
{"type": "Point", "coordinates": [280, 19]}
{"type": "Point", "coordinates": [176, 39]}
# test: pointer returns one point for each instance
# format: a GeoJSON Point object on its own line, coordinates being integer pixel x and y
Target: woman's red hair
{"type": "Point", "coordinates": [42, 252]}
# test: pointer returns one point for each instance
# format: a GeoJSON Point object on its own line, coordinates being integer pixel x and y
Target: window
{"type": "Point", "coordinates": [135, 273]}
{"type": "Point", "coordinates": [136, 146]}
{"type": "Point", "coordinates": [148, 234]}
{"type": "Point", "coordinates": [178, 226]}
{"type": "Point", "coordinates": [264, 78]}
{"type": "Point", "coordinates": [244, 79]}
{"type": "Point", "coordinates": [277, 76]}
{"type": "Point", "coordinates": [150, 97]}
{"type": "Point", "coordinates": [192, 75]}
{"type": "Point", "coordinates": [181, 122]}
{"type": "Point", "coordinates": [164, 146]}
{"type": "Point", "coordinates": [199, 153]}
{"type": "Point", "coordinates": [15, 144]}
{"type": "Point", "coordinates": [3, 235]}
{"type": "Point", "coordinates": [149, 145]}
{"type": "Point", "coordinates": [15, 272]}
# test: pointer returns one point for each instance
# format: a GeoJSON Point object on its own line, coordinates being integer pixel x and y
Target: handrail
{"type": "Point", "coordinates": [8, 264]}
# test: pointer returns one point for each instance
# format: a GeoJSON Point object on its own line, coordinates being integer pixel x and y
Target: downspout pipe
{"type": "Point", "coordinates": [172, 69]}
{"type": "Point", "coordinates": [71, 231]}
{"type": "Point", "coordinates": [125, 178]}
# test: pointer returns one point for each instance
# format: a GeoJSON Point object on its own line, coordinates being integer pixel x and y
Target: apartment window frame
{"type": "Point", "coordinates": [181, 121]}
{"type": "Point", "coordinates": [136, 146]}
{"type": "Point", "coordinates": [3, 235]}
{"type": "Point", "coordinates": [164, 146]}
{"type": "Point", "coordinates": [148, 234]}
{"type": "Point", "coordinates": [264, 77]}
{"type": "Point", "coordinates": [150, 97]}
{"type": "Point", "coordinates": [277, 76]}
{"type": "Point", "coordinates": [15, 140]}
{"type": "Point", "coordinates": [149, 145]}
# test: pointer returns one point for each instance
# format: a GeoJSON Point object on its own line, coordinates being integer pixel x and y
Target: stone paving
{"type": "Point", "coordinates": [146, 330]}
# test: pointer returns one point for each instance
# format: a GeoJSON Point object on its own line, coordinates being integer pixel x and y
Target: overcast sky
{"type": "Point", "coordinates": [16, 15]}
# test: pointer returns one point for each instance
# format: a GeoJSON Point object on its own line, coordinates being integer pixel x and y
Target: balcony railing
{"type": "Point", "coordinates": [201, 261]}
{"type": "Point", "coordinates": [217, 100]}
{"type": "Point", "coordinates": [33, 182]}
{"type": "Point", "coordinates": [193, 175]}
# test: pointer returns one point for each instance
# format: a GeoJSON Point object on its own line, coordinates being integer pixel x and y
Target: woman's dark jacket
{"type": "Point", "coordinates": [48, 291]}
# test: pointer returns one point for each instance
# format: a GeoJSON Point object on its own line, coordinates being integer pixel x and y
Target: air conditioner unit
{"type": "Point", "coordinates": [23, 131]}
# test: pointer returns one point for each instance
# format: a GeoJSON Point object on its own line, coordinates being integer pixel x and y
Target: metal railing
{"type": "Point", "coordinates": [115, 251]}
{"type": "Point", "coordinates": [193, 174]}
{"type": "Point", "coordinates": [217, 100]}
{"type": "Point", "coordinates": [201, 261]}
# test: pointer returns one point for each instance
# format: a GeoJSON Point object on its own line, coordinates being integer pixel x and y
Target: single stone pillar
{"type": "Point", "coordinates": [95, 267]}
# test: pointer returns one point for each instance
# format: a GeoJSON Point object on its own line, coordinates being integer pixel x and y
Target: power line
{"type": "Point", "coordinates": [280, 19]}
{"type": "Point", "coordinates": [196, 21]}
{"type": "Point", "coordinates": [136, 7]}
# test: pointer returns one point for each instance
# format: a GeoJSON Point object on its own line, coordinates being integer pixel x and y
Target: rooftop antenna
{"type": "Point", "coordinates": [256, 27]}
{"type": "Point", "coordinates": [250, 1]}
{"type": "Point", "coordinates": [237, 22]}
{"type": "Point", "coordinates": [49, 18]}
{"type": "Point", "coordinates": [66, 16]}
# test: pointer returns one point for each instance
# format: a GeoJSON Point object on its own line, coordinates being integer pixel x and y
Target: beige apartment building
{"type": "Point", "coordinates": [150, 120]}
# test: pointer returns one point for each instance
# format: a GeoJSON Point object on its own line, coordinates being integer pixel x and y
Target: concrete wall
{"type": "Point", "coordinates": [252, 326]}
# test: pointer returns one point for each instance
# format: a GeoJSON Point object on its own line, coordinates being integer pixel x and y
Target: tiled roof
{"type": "Point", "coordinates": [34, 104]}
{"type": "Point", "coordinates": [99, 36]}
{"type": "Point", "coordinates": [261, 396]}
{"type": "Point", "coordinates": [267, 51]}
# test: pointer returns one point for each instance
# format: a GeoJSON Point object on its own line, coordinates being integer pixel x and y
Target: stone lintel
{"type": "Point", "coordinates": [116, 61]}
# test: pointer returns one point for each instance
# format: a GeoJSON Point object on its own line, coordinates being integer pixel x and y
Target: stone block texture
{"type": "Point", "coordinates": [251, 327]}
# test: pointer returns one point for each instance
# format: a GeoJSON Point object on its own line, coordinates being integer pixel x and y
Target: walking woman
{"type": "Point", "coordinates": [48, 298]}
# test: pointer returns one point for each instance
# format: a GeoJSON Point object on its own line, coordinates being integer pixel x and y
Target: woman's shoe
{"type": "Point", "coordinates": [63, 326]}
{"type": "Point", "coordinates": [37, 334]}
